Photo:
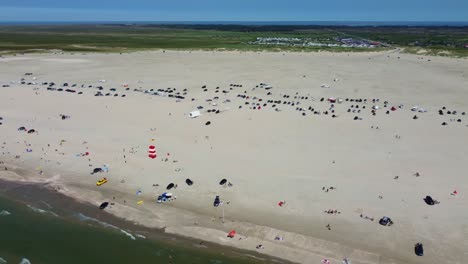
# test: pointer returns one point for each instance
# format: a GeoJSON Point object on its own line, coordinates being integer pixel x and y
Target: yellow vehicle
{"type": "Point", "coordinates": [101, 181]}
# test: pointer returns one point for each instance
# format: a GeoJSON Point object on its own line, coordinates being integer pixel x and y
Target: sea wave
{"type": "Point", "coordinates": [38, 210]}
{"type": "Point", "coordinates": [2, 213]}
{"type": "Point", "coordinates": [2, 261]}
{"type": "Point", "coordinates": [83, 217]}
{"type": "Point", "coordinates": [140, 236]}
{"type": "Point", "coordinates": [25, 261]}
{"type": "Point", "coordinates": [48, 205]}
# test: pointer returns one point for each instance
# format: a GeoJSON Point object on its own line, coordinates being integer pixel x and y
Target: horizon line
{"type": "Point", "coordinates": [248, 22]}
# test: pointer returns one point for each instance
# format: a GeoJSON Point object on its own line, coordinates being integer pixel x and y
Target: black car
{"type": "Point", "coordinates": [386, 221]}
{"type": "Point", "coordinates": [430, 201]}
{"type": "Point", "coordinates": [189, 182]}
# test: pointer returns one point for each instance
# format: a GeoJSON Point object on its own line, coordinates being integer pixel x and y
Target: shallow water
{"type": "Point", "coordinates": [44, 233]}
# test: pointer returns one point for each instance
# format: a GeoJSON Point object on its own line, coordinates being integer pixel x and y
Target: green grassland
{"type": "Point", "coordinates": [125, 38]}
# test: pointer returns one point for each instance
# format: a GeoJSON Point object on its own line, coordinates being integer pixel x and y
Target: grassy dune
{"type": "Point", "coordinates": [119, 38]}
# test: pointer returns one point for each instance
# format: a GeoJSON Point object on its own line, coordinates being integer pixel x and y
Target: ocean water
{"type": "Point", "coordinates": [48, 232]}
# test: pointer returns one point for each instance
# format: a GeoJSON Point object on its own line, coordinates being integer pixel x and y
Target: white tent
{"type": "Point", "coordinates": [194, 114]}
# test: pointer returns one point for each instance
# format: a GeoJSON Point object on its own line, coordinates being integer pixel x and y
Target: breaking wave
{"type": "Point", "coordinates": [25, 261]}
{"type": "Point", "coordinates": [83, 217]}
{"type": "Point", "coordinates": [2, 261]}
{"type": "Point", "coordinates": [38, 210]}
{"type": "Point", "coordinates": [140, 236]}
{"type": "Point", "coordinates": [4, 212]}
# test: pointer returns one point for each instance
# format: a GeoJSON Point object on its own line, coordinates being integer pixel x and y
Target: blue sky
{"type": "Point", "coordinates": [233, 10]}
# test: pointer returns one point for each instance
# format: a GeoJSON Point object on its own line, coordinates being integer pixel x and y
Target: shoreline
{"type": "Point", "coordinates": [214, 236]}
{"type": "Point", "coordinates": [40, 197]}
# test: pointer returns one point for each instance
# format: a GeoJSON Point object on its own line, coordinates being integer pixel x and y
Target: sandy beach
{"type": "Point", "coordinates": [315, 147]}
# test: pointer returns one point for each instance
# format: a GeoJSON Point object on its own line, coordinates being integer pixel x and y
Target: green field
{"type": "Point", "coordinates": [125, 38]}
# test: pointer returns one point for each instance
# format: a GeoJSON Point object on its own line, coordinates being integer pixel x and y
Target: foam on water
{"type": "Point", "coordinates": [83, 217]}
{"type": "Point", "coordinates": [2, 261]}
{"type": "Point", "coordinates": [25, 261]}
{"type": "Point", "coordinates": [4, 212]}
{"type": "Point", "coordinates": [38, 210]}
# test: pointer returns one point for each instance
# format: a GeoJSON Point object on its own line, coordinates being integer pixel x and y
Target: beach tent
{"type": "Point", "coordinates": [194, 114]}
{"type": "Point", "coordinates": [164, 197]}
{"type": "Point", "coordinates": [418, 249]}
{"type": "Point", "coordinates": [217, 201]}
{"type": "Point", "coordinates": [232, 234]}
{"type": "Point", "coordinates": [97, 170]}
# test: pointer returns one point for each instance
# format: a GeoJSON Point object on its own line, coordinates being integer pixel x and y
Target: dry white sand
{"type": "Point", "coordinates": [267, 155]}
